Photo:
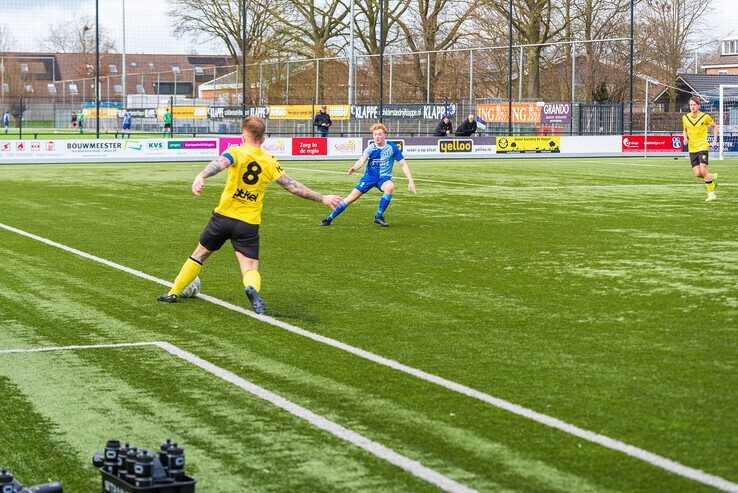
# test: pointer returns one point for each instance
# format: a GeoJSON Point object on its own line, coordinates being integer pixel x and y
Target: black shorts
{"type": "Point", "coordinates": [698, 158]}
{"type": "Point", "coordinates": [244, 236]}
{"type": "Point", "coordinates": [167, 126]}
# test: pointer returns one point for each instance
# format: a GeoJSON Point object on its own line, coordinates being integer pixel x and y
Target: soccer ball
{"type": "Point", "coordinates": [192, 290]}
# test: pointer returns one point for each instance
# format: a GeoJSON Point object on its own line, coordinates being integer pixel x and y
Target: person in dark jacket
{"type": "Point", "coordinates": [322, 121]}
{"type": "Point", "coordinates": [468, 127]}
{"type": "Point", "coordinates": [444, 127]}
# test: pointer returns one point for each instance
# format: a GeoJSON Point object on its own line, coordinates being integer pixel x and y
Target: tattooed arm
{"type": "Point", "coordinates": [213, 168]}
{"type": "Point", "coordinates": [296, 188]}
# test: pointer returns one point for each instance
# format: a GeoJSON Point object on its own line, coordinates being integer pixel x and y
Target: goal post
{"type": "Point", "coordinates": [721, 118]}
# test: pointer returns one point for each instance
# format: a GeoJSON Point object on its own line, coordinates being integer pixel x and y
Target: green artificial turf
{"type": "Point", "coordinates": [602, 292]}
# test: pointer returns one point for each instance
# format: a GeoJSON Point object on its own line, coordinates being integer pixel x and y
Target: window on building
{"type": "Point", "coordinates": [175, 69]}
{"type": "Point", "coordinates": [73, 89]}
{"type": "Point", "coordinates": [51, 88]}
{"type": "Point", "coordinates": [24, 67]}
{"type": "Point", "coordinates": [134, 65]}
{"type": "Point", "coordinates": [6, 88]}
{"type": "Point", "coordinates": [730, 47]}
{"type": "Point", "coordinates": [151, 64]}
{"type": "Point", "coordinates": [140, 89]}
{"type": "Point", "coordinates": [2, 67]}
{"type": "Point", "coordinates": [722, 72]}
{"type": "Point", "coordinates": [113, 68]}
{"type": "Point", "coordinates": [28, 88]}
{"type": "Point", "coordinates": [198, 70]}
{"type": "Point", "coordinates": [118, 89]}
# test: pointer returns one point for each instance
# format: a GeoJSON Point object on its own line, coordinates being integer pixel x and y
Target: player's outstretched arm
{"type": "Point", "coordinates": [716, 134]}
{"type": "Point", "coordinates": [409, 176]}
{"type": "Point", "coordinates": [296, 188]}
{"type": "Point", "coordinates": [357, 165]}
{"type": "Point", "coordinates": [213, 168]}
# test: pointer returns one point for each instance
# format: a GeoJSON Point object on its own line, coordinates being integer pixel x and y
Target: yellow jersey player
{"type": "Point", "coordinates": [238, 214]}
{"type": "Point", "coordinates": [696, 124]}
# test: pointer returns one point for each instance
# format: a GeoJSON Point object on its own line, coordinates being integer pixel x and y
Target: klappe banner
{"type": "Point", "coordinates": [235, 113]}
{"type": "Point", "coordinates": [402, 111]}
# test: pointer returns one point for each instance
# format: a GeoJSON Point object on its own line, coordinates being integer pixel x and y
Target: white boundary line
{"type": "Point", "coordinates": [413, 467]}
{"type": "Point", "coordinates": [522, 188]}
{"type": "Point", "coordinates": [590, 436]}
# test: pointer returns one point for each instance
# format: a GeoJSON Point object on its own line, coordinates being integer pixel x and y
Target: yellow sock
{"type": "Point", "coordinates": [252, 278]}
{"type": "Point", "coordinates": [710, 186]}
{"type": "Point", "coordinates": [187, 274]}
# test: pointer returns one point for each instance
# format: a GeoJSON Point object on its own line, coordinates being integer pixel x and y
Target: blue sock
{"type": "Point", "coordinates": [383, 204]}
{"type": "Point", "coordinates": [341, 207]}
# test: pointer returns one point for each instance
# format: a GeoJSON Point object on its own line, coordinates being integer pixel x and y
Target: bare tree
{"type": "Point", "coordinates": [535, 23]}
{"type": "Point", "coordinates": [314, 28]}
{"type": "Point", "coordinates": [672, 26]}
{"type": "Point", "coordinates": [7, 41]}
{"type": "Point", "coordinates": [432, 26]}
{"type": "Point", "coordinates": [221, 20]}
{"type": "Point", "coordinates": [77, 35]}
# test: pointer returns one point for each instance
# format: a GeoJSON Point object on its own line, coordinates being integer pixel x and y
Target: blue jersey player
{"type": "Point", "coordinates": [379, 157]}
{"type": "Point", "coordinates": [126, 124]}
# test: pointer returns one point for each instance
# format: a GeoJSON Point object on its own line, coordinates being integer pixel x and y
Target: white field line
{"type": "Point", "coordinates": [590, 436]}
{"type": "Point", "coordinates": [378, 450]}
{"type": "Point", "coordinates": [531, 187]}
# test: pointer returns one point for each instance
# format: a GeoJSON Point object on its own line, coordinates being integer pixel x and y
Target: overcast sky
{"type": "Point", "coordinates": [149, 27]}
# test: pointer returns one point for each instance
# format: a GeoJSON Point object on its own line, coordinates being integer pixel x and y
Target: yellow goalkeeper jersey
{"type": "Point", "coordinates": [251, 171]}
{"type": "Point", "coordinates": [697, 127]}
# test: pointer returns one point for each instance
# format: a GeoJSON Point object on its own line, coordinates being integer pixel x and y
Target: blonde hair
{"type": "Point", "coordinates": [378, 126]}
{"type": "Point", "coordinates": [254, 126]}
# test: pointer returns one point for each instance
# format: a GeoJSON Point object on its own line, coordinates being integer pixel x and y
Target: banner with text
{"type": "Point", "coordinates": [506, 145]}
{"type": "Point", "coordinates": [305, 111]}
{"type": "Point", "coordinates": [234, 112]}
{"type": "Point", "coordinates": [656, 143]}
{"type": "Point", "coordinates": [402, 111]}
{"type": "Point", "coordinates": [184, 112]}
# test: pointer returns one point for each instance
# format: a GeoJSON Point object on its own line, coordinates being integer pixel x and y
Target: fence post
{"type": "Point", "coordinates": [428, 77]}
{"type": "Point", "coordinates": [520, 75]}
{"type": "Point", "coordinates": [391, 64]}
{"type": "Point", "coordinates": [317, 77]}
{"type": "Point", "coordinates": [645, 123]}
{"type": "Point", "coordinates": [573, 82]}
{"type": "Point", "coordinates": [471, 78]}
{"type": "Point", "coordinates": [287, 86]}
{"type": "Point", "coordinates": [20, 118]}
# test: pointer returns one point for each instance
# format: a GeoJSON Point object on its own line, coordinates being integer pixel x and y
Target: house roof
{"type": "Point", "coordinates": [720, 61]}
{"type": "Point", "coordinates": [705, 86]}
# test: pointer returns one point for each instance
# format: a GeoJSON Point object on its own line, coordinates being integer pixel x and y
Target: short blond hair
{"type": "Point", "coordinates": [254, 126]}
{"type": "Point", "coordinates": [378, 126]}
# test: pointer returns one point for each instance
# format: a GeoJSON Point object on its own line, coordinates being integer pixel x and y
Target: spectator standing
{"type": "Point", "coordinates": [167, 123]}
{"type": "Point", "coordinates": [322, 121]}
{"type": "Point", "coordinates": [444, 127]}
{"type": "Point", "coordinates": [468, 127]}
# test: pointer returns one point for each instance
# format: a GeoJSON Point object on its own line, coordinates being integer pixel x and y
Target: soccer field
{"type": "Point", "coordinates": [530, 325]}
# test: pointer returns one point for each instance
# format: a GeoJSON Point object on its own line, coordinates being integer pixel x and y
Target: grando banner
{"type": "Point", "coordinates": [556, 113]}
{"type": "Point", "coordinates": [521, 112]}
{"type": "Point", "coordinates": [402, 111]}
{"type": "Point", "coordinates": [234, 112]}
{"type": "Point", "coordinates": [506, 145]}
{"type": "Point", "coordinates": [305, 111]}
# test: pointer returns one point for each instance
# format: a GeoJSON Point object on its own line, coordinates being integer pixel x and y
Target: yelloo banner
{"type": "Point", "coordinates": [184, 112]}
{"type": "Point", "coordinates": [305, 112]}
{"type": "Point", "coordinates": [528, 144]}
{"type": "Point", "coordinates": [105, 113]}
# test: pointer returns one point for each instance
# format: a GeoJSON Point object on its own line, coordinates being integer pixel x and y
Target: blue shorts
{"type": "Point", "coordinates": [126, 126]}
{"type": "Point", "coordinates": [368, 181]}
